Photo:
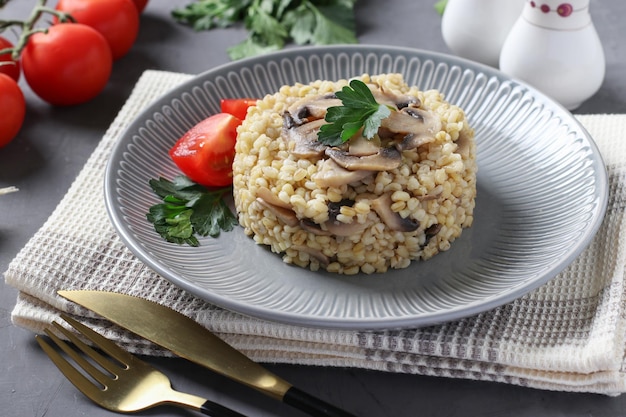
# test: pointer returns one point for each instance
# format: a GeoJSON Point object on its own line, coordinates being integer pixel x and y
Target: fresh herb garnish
{"type": "Point", "coordinates": [189, 209]}
{"type": "Point", "coordinates": [360, 110]}
{"type": "Point", "coordinates": [273, 23]}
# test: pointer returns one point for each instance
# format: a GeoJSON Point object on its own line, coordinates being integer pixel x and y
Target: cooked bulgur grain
{"type": "Point", "coordinates": [408, 196]}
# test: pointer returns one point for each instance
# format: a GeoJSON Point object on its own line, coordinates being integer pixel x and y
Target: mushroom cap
{"type": "Point", "coordinates": [333, 175]}
{"type": "Point", "coordinates": [302, 139]}
{"type": "Point", "coordinates": [383, 160]}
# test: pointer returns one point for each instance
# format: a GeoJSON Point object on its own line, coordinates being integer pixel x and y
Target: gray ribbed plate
{"type": "Point", "coordinates": [542, 194]}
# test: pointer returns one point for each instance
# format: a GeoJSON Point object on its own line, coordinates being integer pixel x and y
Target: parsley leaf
{"type": "Point", "coordinates": [334, 25]}
{"type": "Point", "coordinates": [273, 23]}
{"type": "Point", "coordinates": [209, 14]}
{"type": "Point", "coordinates": [360, 110]}
{"type": "Point", "coordinates": [189, 209]}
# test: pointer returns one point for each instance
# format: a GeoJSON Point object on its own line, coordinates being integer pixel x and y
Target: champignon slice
{"type": "Point", "coordinates": [463, 145]}
{"type": "Point", "coordinates": [315, 253]}
{"type": "Point", "coordinates": [399, 101]}
{"type": "Point", "coordinates": [419, 126]}
{"type": "Point", "coordinates": [361, 146]}
{"type": "Point", "coordinates": [413, 141]}
{"type": "Point", "coordinates": [284, 215]}
{"type": "Point", "coordinates": [385, 159]}
{"type": "Point", "coordinates": [304, 138]}
{"type": "Point", "coordinates": [412, 120]}
{"type": "Point", "coordinates": [333, 175]}
{"type": "Point", "coordinates": [431, 232]}
{"type": "Point", "coordinates": [312, 108]}
{"type": "Point", "coordinates": [393, 220]}
{"type": "Point", "coordinates": [338, 228]}
{"type": "Point", "coordinates": [428, 197]}
{"type": "Point", "coordinates": [312, 227]}
{"type": "Point", "coordinates": [271, 198]}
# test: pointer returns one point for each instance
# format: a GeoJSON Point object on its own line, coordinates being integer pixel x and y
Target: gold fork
{"type": "Point", "coordinates": [126, 386]}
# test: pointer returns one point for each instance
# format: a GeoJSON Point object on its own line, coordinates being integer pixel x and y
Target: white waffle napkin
{"type": "Point", "coordinates": [567, 335]}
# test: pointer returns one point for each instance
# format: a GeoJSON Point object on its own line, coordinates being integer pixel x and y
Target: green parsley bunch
{"type": "Point", "coordinates": [273, 23]}
{"type": "Point", "coordinates": [189, 209]}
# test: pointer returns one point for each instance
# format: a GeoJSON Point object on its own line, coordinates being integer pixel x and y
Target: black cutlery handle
{"type": "Point", "coordinates": [212, 409]}
{"type": "Point", "coordinates": [311, 405]}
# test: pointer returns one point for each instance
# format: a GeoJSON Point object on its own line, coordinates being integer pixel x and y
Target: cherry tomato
{"type": "Point", "coordinates": [12, 109]}
{"type": "Point", "coordinates": [140, 4]}
{"type": "Point", "coordinates": [205, 152]}
{"type": "Point", "coordinates": [116, 20]}
{"type": "Point", "coordinates": [71, 64]}
{"type": "Point", "coordinates": [238, 107]}
{"type": "Point", "coordinates": [12, 69]}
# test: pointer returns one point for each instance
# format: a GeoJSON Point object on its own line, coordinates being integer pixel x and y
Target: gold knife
{"type": "Point", "coordinates": [189, 340]}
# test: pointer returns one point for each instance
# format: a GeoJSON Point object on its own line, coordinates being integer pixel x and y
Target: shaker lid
{"type": "Point", "coordinates": [558, 14]}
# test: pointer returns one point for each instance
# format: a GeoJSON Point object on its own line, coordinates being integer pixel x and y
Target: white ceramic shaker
{"type": "Point", "coordinates": [554, 46]}
{"type": "Point", "coordinates": [476, 29]}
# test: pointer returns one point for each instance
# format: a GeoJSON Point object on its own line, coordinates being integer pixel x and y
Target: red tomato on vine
{"type": "Point", "coordinates": [140, 4]}
{"type": "Point", "coordinates": [70, 64]}
{"type": "Point", "coordinates": [12, 109]}
{"type": "Point", "coordinates": [12, 69]}
{"type": "Point", "coordinates": [116, 20]}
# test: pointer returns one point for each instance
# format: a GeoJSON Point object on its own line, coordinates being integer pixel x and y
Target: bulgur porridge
{"type": "Point", "coordinates": [367, 205]}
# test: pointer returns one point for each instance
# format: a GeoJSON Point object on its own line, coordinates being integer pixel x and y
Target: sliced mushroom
{"type": "Point", "coordinates": [284, 215]}
{"type": "Point", "coordinates": [334, 208]}
{"type": "Point", "coordinates": [333, 175]}
{"type": "Point", "coordinates": [310, 226]}
{"type": "Point", "coordinates": [315, 253]}
{"type": "Point", "coordinates": [304, 138]}
{"type": "Point", "coordinates": [312, 108]}
{"type": "Point", "coordinates": [417, 126]}
{"type": "Point", "coordinates": [413, 141]}
{"type": "Point", "coordinates": [412, 120]}
{"type": "Point", "coordinates": [385, 159]}
{"type": "Point", "coordinates": [383, 96]}
{"type": "Point", "coordinates": [361, 146]}
{"type": "Point", "coordinates": [463, 145]}
{"type": "Point", "coordinates": [428, 197]}
{"type": "Point", "coordinates": [271, 198]}
{"type": "Point", "coordinates": [431, 232]}
{"type": "Point", "coordinates": [393, 220]}
{"type": "Point", "coordinates": [339, 228]}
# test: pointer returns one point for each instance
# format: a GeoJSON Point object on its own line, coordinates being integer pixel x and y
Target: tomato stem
{"type": "Point", "coordinates": [28, 26]}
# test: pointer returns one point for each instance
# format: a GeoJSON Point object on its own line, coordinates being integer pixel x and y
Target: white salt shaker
{"type": "Point", "coordinates": [476, 29]}
{"type": "Point", "coordinates": [554, 46]}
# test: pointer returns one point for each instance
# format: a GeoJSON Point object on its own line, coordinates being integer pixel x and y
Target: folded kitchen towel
{"type": "Point", "coordinates": [566, 335]}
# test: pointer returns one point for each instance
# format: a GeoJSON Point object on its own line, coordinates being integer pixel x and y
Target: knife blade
{"type": "Point", "coordinates": [189, 340]}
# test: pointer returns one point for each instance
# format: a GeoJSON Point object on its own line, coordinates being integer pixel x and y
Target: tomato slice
{"type": "Point", "coordinates": [205, 152]}
{"type": "Point", "coordinates": [238, 107]}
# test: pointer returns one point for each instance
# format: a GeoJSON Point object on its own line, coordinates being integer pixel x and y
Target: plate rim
{"type": "Point", "coordinates": [347, 323]}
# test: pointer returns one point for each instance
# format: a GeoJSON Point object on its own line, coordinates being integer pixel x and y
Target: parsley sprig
{"type": "Point", "coordinates": [359, 110]}
{"type": "Point", "coordinates": [189, 209]}
{"type": "Point", "coordinates": [273, 23]}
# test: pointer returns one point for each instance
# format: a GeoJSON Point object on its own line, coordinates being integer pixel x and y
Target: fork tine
{"type": "Point", "coordinates": [117, 353]}
{"type": "Point", "coordinates": [133, 386]}
{"type": "Point", "coordinates": [86, 386]}
{"type": "Point", "coordinates": [94, 372]}
{"type": "Point", "coordinates": [100, 341]}
{"type": "Point", "coordinates": [88, 351]}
